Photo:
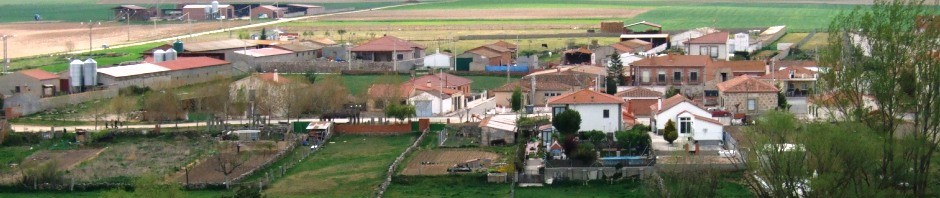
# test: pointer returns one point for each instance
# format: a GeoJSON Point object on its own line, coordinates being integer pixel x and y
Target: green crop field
{"type": "Point", "coordinates": [673, 15]}
{"type": "Point", "coordinates": [84, 10]}
{"type": "Point", "coordinates": [445, 186]}
{"type": "Point", "coordinates": [351, 166]}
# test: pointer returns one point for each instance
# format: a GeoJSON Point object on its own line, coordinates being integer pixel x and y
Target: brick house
{"type": "Point", "coordinates": [390, 49]}
{"type": "Point", "coordinates": [498, 53]}
{"type": "Point", "coordinates": [721, 71]}
{"type": "Point", "coordinates": [747, 95]}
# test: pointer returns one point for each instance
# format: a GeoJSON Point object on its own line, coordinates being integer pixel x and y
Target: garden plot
{"type": "Point", "coordinates": [436, 162]}
{"type": "Point", "coordinates": [255, 153]}
{"type": "Point", "coordinates": [132, 159]}
{"type": "Point", "coordinates": [64, 159]}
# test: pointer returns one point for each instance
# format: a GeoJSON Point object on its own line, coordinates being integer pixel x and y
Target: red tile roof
{"type": "Point", "coordinates": [387, 44]}
{"type": "Point", "coordinates": [639, 92]}
{"type": "Point", "coordinates": [672, 102]}
{"type": "Point", "coordinates": [39, 74]}
{"type": "Point", "coordinates": [585, 96]}
{"type": "Point", "coordinates": [505, 44]}
{"type": "Point", "coordinates": [524, 86]}
{"type": "Point", "coordinates": [184, 63]}
{"type": "Point", "coordinates": [673, 61]}
{"type": "Point", "coordinates": [746, 84]}
{"type": "Point", "coordinates": [734, 67]}
{"type": "Point", "coordinates": [713, 38]}
{"type": "Point", "coordinates": [697, 117]}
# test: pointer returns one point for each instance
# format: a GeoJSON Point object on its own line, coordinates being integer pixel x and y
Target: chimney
{"type": "Point", "coordinates": [429, 84]}
{"type": "Point", "coordinates": [659, 104]}
{"type": "Point", "coordinates": [275, 75]}
{"type": "Point", "coordinates": [767, 68]}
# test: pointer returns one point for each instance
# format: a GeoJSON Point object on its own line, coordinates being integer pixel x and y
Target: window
{"type": "Point", "coordinates": [552, 94]}
{"type": "Point", "coordinates": [685, 125]}
{"type": "Point", "coordinates": [662, 77]}
{"type": "Point", "coordinates": [606, 113]}
{"type": "Point", "coordinates": [645, 77]}
{"type": "Point", "coordinates": [751, 104]}
{"type": "Point", "coordinates": [724, 77]}
{"type": "Point", "coordinates": [677, 76]}
{"type": "Point", "coordinates": [401, 57]}
{"type": "Point", "coordinates": [714, 52]}
{"type": "Point", "coordinates": [792, 73]}
{"type": "Point", "coordinates": [702, 50]}
{"type": "Point", "coordinates": [693, 76]}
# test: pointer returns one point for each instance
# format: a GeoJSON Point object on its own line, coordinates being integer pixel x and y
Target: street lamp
{"type": "Point", "coordinates": [6, 60]}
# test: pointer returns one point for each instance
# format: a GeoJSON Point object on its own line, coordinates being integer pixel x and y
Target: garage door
{"type": "Point", "coordinates": [463, 64]}
{"type": "Point", "coordinates": [423, 108]}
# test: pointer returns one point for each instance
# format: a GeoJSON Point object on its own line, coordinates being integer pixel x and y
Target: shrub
{"type": "Point", "coordinates": [670, 133]}
{"type": "Point", "coordinates": [47, 173]}
{"type": "Point", "coordinates": [567, 122]}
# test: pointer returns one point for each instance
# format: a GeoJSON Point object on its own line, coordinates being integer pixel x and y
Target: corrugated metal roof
{"type": "Point", "coordinates": [204, 6]}
{"type": "Point", "coordinates": [264, 52]}
{"type": "Point", "coordinates": [184, 63]}
{"type": "Point", "coordinates": [132, 70]}
{"type": "Point", "coordinates": [319, 125]}
{"type": "Point", "coordinates": [218, 45]}
{"type": "Point", "coordinates": [501, 122]}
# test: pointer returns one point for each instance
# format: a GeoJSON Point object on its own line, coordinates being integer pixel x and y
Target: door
{"type": "Point", "coordinates": [423, 108]}
{"type": "Point", "coordinates": [463, 64]}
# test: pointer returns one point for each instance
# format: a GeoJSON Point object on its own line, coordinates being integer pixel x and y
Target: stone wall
{"type": "Point", "coordinates": [765, 102]}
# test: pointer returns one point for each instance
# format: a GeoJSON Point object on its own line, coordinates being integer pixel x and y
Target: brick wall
{"type": "Point", "coordinates": [765, 101]}
{"type": "Point", "coordinates": [380, 129]}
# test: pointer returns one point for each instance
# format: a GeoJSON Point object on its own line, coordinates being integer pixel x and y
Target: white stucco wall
{"type": "Point", "coordinates": [694, 49]}
{"type": "Point", "coordinates": [673, 114]}
{"type": "Point", "coordinates": [435, 102]}
{"type": "Point", "coordinates": [592, 117]}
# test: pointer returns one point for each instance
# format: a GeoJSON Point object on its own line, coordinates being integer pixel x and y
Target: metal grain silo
{"type": "Point", "coordinates": [90, 72]}
{"type": "Point", "coordinates": [178, 46]}
{"type": "Point", "coordinates": [75, 74]}
{"type": "Point", "coordinates": [170, 55]}
{"type": "Point", "coordinates": [159, 55]}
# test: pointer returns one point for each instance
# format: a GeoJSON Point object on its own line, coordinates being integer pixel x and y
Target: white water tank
{"type": "Point", "coordinates": [159, 55]}
{"type": "Point", "coordinates": [75, 73]}
{"type": "Point", "coordinates": [90, 72]}
{"type": "Point", "coordinates": [170, 55]}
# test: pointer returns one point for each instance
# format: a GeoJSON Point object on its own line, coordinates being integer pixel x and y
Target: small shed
{"type": "Point", "coordinates": [245, 135]}
{"type": "Point", "coordinates": [498, 129]}
{"type": "Point", "coordinates": [319, 131]}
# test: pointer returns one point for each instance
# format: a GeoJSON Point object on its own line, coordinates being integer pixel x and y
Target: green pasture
{"type": "Point", "coordinates": [349, 166]}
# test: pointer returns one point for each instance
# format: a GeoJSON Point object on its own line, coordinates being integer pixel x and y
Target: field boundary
{"type": "Point", "coordinates": [380, 191]}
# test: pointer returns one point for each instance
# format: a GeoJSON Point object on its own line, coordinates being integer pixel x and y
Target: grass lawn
{"type": "Point", "coordinates": [446, 186]}
{"type": "Point", "coordinates": [59, 63]}
{"type": "Point", "coordinates": [578, 189]}
{"type": "Point", "coordinates": [353, 166]}
{"type": "Point", "coordinates": [819, 41]}
{"type": "Point", "coordinates": [13, 154]}
{"type": "Point", "coordinates": [90, 194]}
{"type": "Point", "coordinates": [792, 38]}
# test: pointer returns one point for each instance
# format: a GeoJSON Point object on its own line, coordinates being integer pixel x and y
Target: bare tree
{"type": "Point", "coordinates": [228, 161]}
{"type": "Point", "coordinates": [122, 106]}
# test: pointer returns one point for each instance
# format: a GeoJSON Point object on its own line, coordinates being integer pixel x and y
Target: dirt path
{"type": "Point", "coordinates": [524, 13]}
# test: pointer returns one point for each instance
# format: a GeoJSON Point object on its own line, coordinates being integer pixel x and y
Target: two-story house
{"type": "Point", "coordinates": [684, 72]}
{"type": "Point", "coordinates": [693, 123]}
{"type": "Point", "coordinates": [714, 45]}
{"type": "Point", "coordinates": [599, 111]}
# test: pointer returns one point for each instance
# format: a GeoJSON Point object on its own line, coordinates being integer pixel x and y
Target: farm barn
{"type": "Point", "coordinates": [268, 12]}
{"type": "Point", "coordinates": [31, 82]}
{"type": "Point", "coordinates": [134, 13]}
{"type": "Point", "coordinates": [306, 9]}
{"type": "Point", "coordinates": [201, 12]}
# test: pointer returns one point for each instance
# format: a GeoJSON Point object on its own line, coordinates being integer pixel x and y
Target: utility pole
{"type": "Point", "coordinates": [128, 20]}
{"type": "Point", "coordinates": [6, 60]}
{"type": "Point", "coordinates": [91, 25]}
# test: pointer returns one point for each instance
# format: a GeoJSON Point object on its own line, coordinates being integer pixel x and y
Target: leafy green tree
{"type": "Point", "coordinates": [894, 64]}
{"type": "Point", "coordinates": [615, 68]}
{"type": "Point", "coordinates": [611, 85]}
{"type": "Point", "coordinates": [586, 153]}
{"type": "Point", "coordinates": [782, 103]}
{"type": "Point", "coordinates": [670, 133]}
{"type": "Point", "coordinates": [264, 34]}
{"type": "Point", "coordinates": [516, 101]}
{"type": "Point", "coordinates": [399, 111]}
{"type": "Point", "coordinates": [634, 141]}
{"type": "Point", "coordinates": [567, 122]}
{"type": "Point", "coordinates": [671, 91]}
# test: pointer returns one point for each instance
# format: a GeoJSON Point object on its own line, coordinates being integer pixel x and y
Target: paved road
{"type": "Point", "coordinates": [283, 20]}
